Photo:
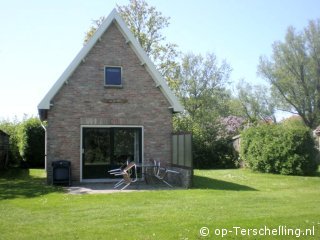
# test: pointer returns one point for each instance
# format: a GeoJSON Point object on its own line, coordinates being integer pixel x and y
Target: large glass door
{"type": "Point", "coordinates": [108, 148]}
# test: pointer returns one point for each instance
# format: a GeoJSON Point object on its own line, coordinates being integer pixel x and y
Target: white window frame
{"type": "Point", "coordinates": [121, 76]}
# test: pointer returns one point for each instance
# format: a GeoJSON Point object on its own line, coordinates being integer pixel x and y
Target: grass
{"type": "Point", "coordinates": [29, 209]}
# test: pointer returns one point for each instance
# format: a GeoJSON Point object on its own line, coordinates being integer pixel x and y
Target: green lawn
{"type": "Point", "coordinates": [237, 200]}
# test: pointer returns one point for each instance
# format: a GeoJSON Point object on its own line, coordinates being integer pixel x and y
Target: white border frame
{"type": "Point", "coordinates": [108, 126]}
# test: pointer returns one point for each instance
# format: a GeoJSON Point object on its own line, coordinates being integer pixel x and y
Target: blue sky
{"type": "Point", "coordinates": [40, 38]}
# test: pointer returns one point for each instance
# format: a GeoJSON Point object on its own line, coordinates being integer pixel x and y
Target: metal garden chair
{"type": "Point", "coordinates": [129, 175]}
{"type": "Point", "coordinates": [161, 172]}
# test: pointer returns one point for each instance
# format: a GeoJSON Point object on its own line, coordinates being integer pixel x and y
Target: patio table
{"type": "Point", "coordinates": [158, 172]}
{"type": "Point", "coordinates": [144, 170]}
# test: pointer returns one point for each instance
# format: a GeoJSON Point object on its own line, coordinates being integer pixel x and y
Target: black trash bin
{"type": "Point", "coordinates": [61, 172]}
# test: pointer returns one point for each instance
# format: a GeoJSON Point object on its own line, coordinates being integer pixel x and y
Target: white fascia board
{"type": "Point", "coordinates": [159, 80]}
{"type": "Point", "coordinates": [45, 103]}
{"type": "Point", "coordinates": [113, 16]}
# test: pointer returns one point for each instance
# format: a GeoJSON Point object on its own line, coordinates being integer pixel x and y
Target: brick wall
{"type": "Point", "coordinates": [84, 100]}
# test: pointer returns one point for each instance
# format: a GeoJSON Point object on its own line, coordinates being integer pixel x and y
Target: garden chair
{"type": "Point", "coordinates": [119, 169]}
{"type": "Point", "coordinates": [129, 175]}
{"type": "Point", "coordinates": [161, 172]}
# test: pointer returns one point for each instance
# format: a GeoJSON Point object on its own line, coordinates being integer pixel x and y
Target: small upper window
{"type": "Point", "coordinates": [112, 76]}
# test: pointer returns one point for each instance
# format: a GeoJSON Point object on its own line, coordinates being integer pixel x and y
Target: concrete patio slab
{"type": "Point", "coordinates": [95, 188]}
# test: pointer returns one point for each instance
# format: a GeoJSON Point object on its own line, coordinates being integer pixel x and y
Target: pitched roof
{"type": "Point", "coordinates": [113, 17]}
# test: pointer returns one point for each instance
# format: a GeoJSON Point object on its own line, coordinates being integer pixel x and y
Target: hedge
{"type": "Point", "coordinates": [286, 148]}
{"type": "Point", "coordinates": [32, 142]}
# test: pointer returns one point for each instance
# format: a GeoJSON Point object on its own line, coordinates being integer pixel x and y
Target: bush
{"type": "Point", "coordinates": [286, 148]}
{"type": "Point", "coordinates": [11, 128]}
{"type": "Point", "coordinates": [32, 142]}
{"type": "Point", "coordinates": [218, 154]}
{"type": "Point", "coordinates": [209, 148]}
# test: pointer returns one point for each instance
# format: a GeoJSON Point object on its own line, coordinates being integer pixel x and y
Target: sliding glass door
{"type": "Point", "coordinates": [105, 148]}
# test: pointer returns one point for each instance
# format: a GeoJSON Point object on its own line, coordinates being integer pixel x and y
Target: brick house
{"type": "Point", "coordinates": [110, 104]}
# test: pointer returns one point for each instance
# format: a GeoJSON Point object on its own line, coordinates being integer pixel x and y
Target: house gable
{"type": "Point", "coordinates": [113, 20]}
{"type": "Point", "coordinates": [85, 93]}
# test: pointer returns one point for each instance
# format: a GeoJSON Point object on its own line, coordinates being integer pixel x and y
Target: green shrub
{"type": "Point", "coordinates": [31, 142]}
{"type": "Point", "coordinates": [11, 128]}
{"type": "Point", "coordinates": [218, 154]}
{"type": "Point", "coordinates": [209, 149]}
{"type": "Point", "coordinates": [286, 148]}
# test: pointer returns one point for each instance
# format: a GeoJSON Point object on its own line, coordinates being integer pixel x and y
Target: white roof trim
{"type": "Point", "coordinates": [113, 17]}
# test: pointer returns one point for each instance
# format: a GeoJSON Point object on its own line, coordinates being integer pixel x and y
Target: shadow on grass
{"type": "Point", "coordinates": [200, 182]}
{"type": "Point", "coordinates": [17, 183]}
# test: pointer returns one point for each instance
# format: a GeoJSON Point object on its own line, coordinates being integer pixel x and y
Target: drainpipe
{"type": "Point", "coordinates": [45, 146]}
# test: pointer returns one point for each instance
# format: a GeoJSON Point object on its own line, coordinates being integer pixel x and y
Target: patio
{"type": "Point", "coordinates": [96, 188]}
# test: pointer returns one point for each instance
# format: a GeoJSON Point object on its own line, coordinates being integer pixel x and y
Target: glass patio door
{"type": "Point", "coordinates": [108, 148]}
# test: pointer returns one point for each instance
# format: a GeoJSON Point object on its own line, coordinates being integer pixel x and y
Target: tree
{"type": "Point", "coordinates": [202, 90]}
{"type": "Point", "coordinates": [96, 24]}
{"type": "Point", "coordinates": [146, 24]}
{"type": "Point", "coordinates": [256, 102]}
{"type": "Point", "coordinates": [294, 72]}
{"type": "Point", "coordinates": [232, 125]}
{"type": "Point", "coordinates": [202, 83]}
